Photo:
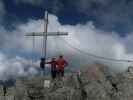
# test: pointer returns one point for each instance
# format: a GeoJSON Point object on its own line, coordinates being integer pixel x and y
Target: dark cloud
{"type": "Point", "coordinates": [55, 6]}
{"type": "Point", "coordinates": [106, 14]}
{"type": "Point", "coordinates": [109, 14]}
{"type": "Point", "coordinates": [32, 2]}
{"type": "Point", "coordinates": [2, 10]}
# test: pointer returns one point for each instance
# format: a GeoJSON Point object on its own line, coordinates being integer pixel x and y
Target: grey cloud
{"type": "Point", "coordinates": [85, 37]}
{"type": "Point", "coordinates": [56, 6]}
{"type": "Point", "coordinates": [128, 41]}
{"type": "Point", "coordinates": [108, 13]}
{"type": "Point", "coordinates": [32, 2]}
{"type": "Point", "coordinates": [2, 10]}
{"type": "Point", "coordinates": [11, 68]}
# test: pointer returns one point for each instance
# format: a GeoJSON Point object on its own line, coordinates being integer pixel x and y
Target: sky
{"type": "Point", "coordinates": [99, 27]}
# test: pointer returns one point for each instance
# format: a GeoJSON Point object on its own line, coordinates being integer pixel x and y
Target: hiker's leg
{"type": "Point", "coordinates": [53, 74]}
{"type": "Point", "coordinates": [58, 73]}
{"type": "Point", "coordinates": [62, 73]}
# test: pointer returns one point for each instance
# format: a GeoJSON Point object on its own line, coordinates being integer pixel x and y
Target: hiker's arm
{"type": "Point", "coordinates": [48, 62]}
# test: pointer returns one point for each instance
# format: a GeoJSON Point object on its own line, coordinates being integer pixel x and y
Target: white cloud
{"type": "Point", "coordinates": [15, 67]}
{"type": "Point", "coordinates": [85, 37]}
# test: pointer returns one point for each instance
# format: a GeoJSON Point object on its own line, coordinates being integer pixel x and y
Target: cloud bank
{"type": "Point", "coordinates": [85, 37]}
{"type": "Point", "coordinates": [11, 68]}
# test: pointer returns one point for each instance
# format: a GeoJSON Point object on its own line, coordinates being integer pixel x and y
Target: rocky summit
{"type": "Point", "coordinates": [92, 82]}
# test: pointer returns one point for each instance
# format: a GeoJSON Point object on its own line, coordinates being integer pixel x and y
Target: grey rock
{"type": "Point", "coordinates": [124, 86]}
{"type": "Point", "coordinates": [92, 83]}
{"type": "Point", "coordinates": [63, 93]}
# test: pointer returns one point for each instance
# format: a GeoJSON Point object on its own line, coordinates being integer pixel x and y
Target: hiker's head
{"type": "Point", "coordinates": [42, 59]}
{"type": "Point", "coordinates": [61, 56]}
{"type": "Point", "coordinates": [53, 59]}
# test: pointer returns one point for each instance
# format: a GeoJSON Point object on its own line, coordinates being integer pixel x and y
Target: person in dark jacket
{"type": "Point", "coordinates": [42, 65]}
{"type": "Point", "coordinates": [53, 64]}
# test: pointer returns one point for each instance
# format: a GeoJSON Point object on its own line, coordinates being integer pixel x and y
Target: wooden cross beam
{"type": "Point", "coordinates": [46, 34]}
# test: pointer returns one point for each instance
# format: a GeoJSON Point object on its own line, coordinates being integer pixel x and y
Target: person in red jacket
{"type": "Point", "coordinates": [53, 64]}
{"type": "Point", "coordinates": [61, 63]}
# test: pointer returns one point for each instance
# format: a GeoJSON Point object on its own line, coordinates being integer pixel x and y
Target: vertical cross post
{"type": "Point", "coordinates": [44, 49]}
